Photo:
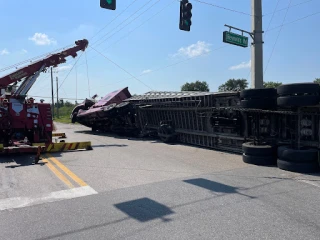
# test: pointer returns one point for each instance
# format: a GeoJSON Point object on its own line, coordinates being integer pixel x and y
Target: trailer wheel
{"type": "Point", "coordinates": [258, 150]}
{"type": "Point", "coordinates": [263, 103]}
{"type": "Point", "coordinates": [259, 160]}
{"type": "Point", "coordinates": [298, 101]}
{"type": "Point", "coordinates": [166, 133]}
{"type": "Point", "coordinates": [258, 93]}
{"type": "Point", "coordinates": [305, 155]}
{"type": "Point", "coordinates": [299, 167]}
{"type": "Point", "coordinates": [298, 88]}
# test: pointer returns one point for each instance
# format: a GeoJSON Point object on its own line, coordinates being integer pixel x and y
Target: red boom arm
{"type": "Point", "coordinates": [50, 60]}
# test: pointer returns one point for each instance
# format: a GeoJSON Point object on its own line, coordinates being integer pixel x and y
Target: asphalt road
{"type": "Point", "coordinates": [144, 189]}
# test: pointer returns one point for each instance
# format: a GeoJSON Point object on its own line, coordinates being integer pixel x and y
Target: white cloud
{"type": "Point", "coordinates": [146, 71]}
{"type": "Point", "coordinates": [42, 39]}
{"type": "Point", "coordinates": [194, 50]}
{"type": "Point", "coordinates": [23, 51]}
{"type": "Point", "coordinates": [63, 68]}
{"type": "Point", "coordinates": [4, 52]}
{"type": "Point", "coordinates": [241, 65]}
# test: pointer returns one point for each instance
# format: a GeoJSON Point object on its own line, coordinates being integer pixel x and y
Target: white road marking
{"type": "Point", "coordinates": [310, 182]}
{"type": "Point", "coordinates": [20, 202]}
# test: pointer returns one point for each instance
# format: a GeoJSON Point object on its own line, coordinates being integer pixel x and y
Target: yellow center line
{"type": "Point", "coordinates": [67, 171]}
{"type": "Point", "coordinates": [57, 173]}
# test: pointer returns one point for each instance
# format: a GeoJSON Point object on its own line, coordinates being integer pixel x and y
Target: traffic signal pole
{"type": "Point", "coordinates": [257, 45]}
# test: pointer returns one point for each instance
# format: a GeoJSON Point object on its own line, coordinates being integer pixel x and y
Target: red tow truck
{"type": "Point", "coordinates": [26, 125]}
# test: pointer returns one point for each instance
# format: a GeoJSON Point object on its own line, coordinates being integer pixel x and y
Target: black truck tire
{"type": "Point", "coordinates": [258, 93]}
{"type": "Point", "coordinates": [298, 101]}
{"type": "Point", "coordinates": [289, 154]}
{"type": "Point", "coordinates": [259, 160]}
{"type": "Point", "coordinates": [298, 88]}
{"type": "Point", "coordinates": [249, 148]}
{"type": "Point", "coordinates": [305, 167]}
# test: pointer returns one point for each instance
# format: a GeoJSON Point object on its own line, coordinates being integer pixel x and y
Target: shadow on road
{"type": "Point", "coordinates": [145, 209]}
{"type": "Point", "coordinates": [21, 160]}
{"type": "Point", "coordinates": [214, 186]}
{"type": "Point", "coordinates": [110, 145]}
{"type": "Point", "coordinates": [119, 136]}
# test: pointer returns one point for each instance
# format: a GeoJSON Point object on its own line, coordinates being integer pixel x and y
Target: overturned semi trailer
{"type": "Point", "coordinates": [197, 118]}
{"type": "Point", "coordinates": [269, 126]}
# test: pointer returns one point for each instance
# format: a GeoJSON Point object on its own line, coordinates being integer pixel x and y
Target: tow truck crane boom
{"type": "Point", "coordinates": [32, 71]}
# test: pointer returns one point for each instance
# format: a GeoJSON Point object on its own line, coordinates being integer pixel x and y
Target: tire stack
{"type": "Point", "coordinates": [265, 98]}
{"type": "Point", "coordinates": [301, 161]}
{"type": "Point", "coordinates": [298, 95]}
{"type": "Point", "coordinates": [263, 155]}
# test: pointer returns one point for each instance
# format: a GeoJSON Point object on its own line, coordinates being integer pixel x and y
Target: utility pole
{"type": "Point", "coordinates": [57, 98]}
{"type": "Point", "coordinates": [257, 45]}
{"type": "Point", "coordinates": [52, 108]}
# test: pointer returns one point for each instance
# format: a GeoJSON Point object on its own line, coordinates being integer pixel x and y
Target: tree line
{"type": "Point", "coordinates": [230, 85]}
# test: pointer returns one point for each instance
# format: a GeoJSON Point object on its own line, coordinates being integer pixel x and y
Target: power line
{"type": "Point", "coordinates": [121, 67]}
{"type": "Point", "coordinates": [140, 25]}
{"type": "Point", "coordinates": [287, 8]}
{"type": "Point", "coordinates": [123, 21]}
{"type": "Point", "coordinates": [144, 22]}
{"type": "Point", "coordinates": [228, 9]}
{"type": "Point", "coordinates": [284, 18]}
{"type": "Point", "coordinates": [173, 64]}
{"type": "Point", "coordinates": [274, 11]}
{"type": "Point", "coordinates": [280, 26]}
{"type": "Point", "coordinates": [87, 73]}
{"type": "Point", "coordinates": [68, 73]}
{"type": "Point", "coordinates": [114, 19]}
{"type": "Point", "coordinates": [130, 21]}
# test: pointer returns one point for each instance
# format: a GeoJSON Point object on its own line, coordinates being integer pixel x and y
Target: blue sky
{"type": "Point", "coordinates": [32, 28]}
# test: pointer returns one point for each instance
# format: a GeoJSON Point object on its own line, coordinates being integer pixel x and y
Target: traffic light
{"type": "Point", "coordinates": [108, 4]}
{"type": "Point", "coordinates": [185, 15]}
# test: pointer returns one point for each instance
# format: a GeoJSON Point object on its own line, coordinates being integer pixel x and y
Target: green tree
{"type": "Point", "coordinates": [317, 80]}
{"type": "Point", "coordinates": [195, 86]}
{"type": "Point", "coordinates": [272, 84]}
{"type": "Point", "coordinates": [61, 103]}
{"type": "Point", "coordinates": [233, 85]}
{"type": "Point", "coordinates": [68, 104]}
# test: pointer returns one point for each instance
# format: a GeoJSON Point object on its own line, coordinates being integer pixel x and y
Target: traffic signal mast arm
{"type": "Point", "coordinates": [32, 71]}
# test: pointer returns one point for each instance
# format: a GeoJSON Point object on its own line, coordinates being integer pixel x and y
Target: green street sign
{"type": "Point", "coordinates": [235, 39]}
